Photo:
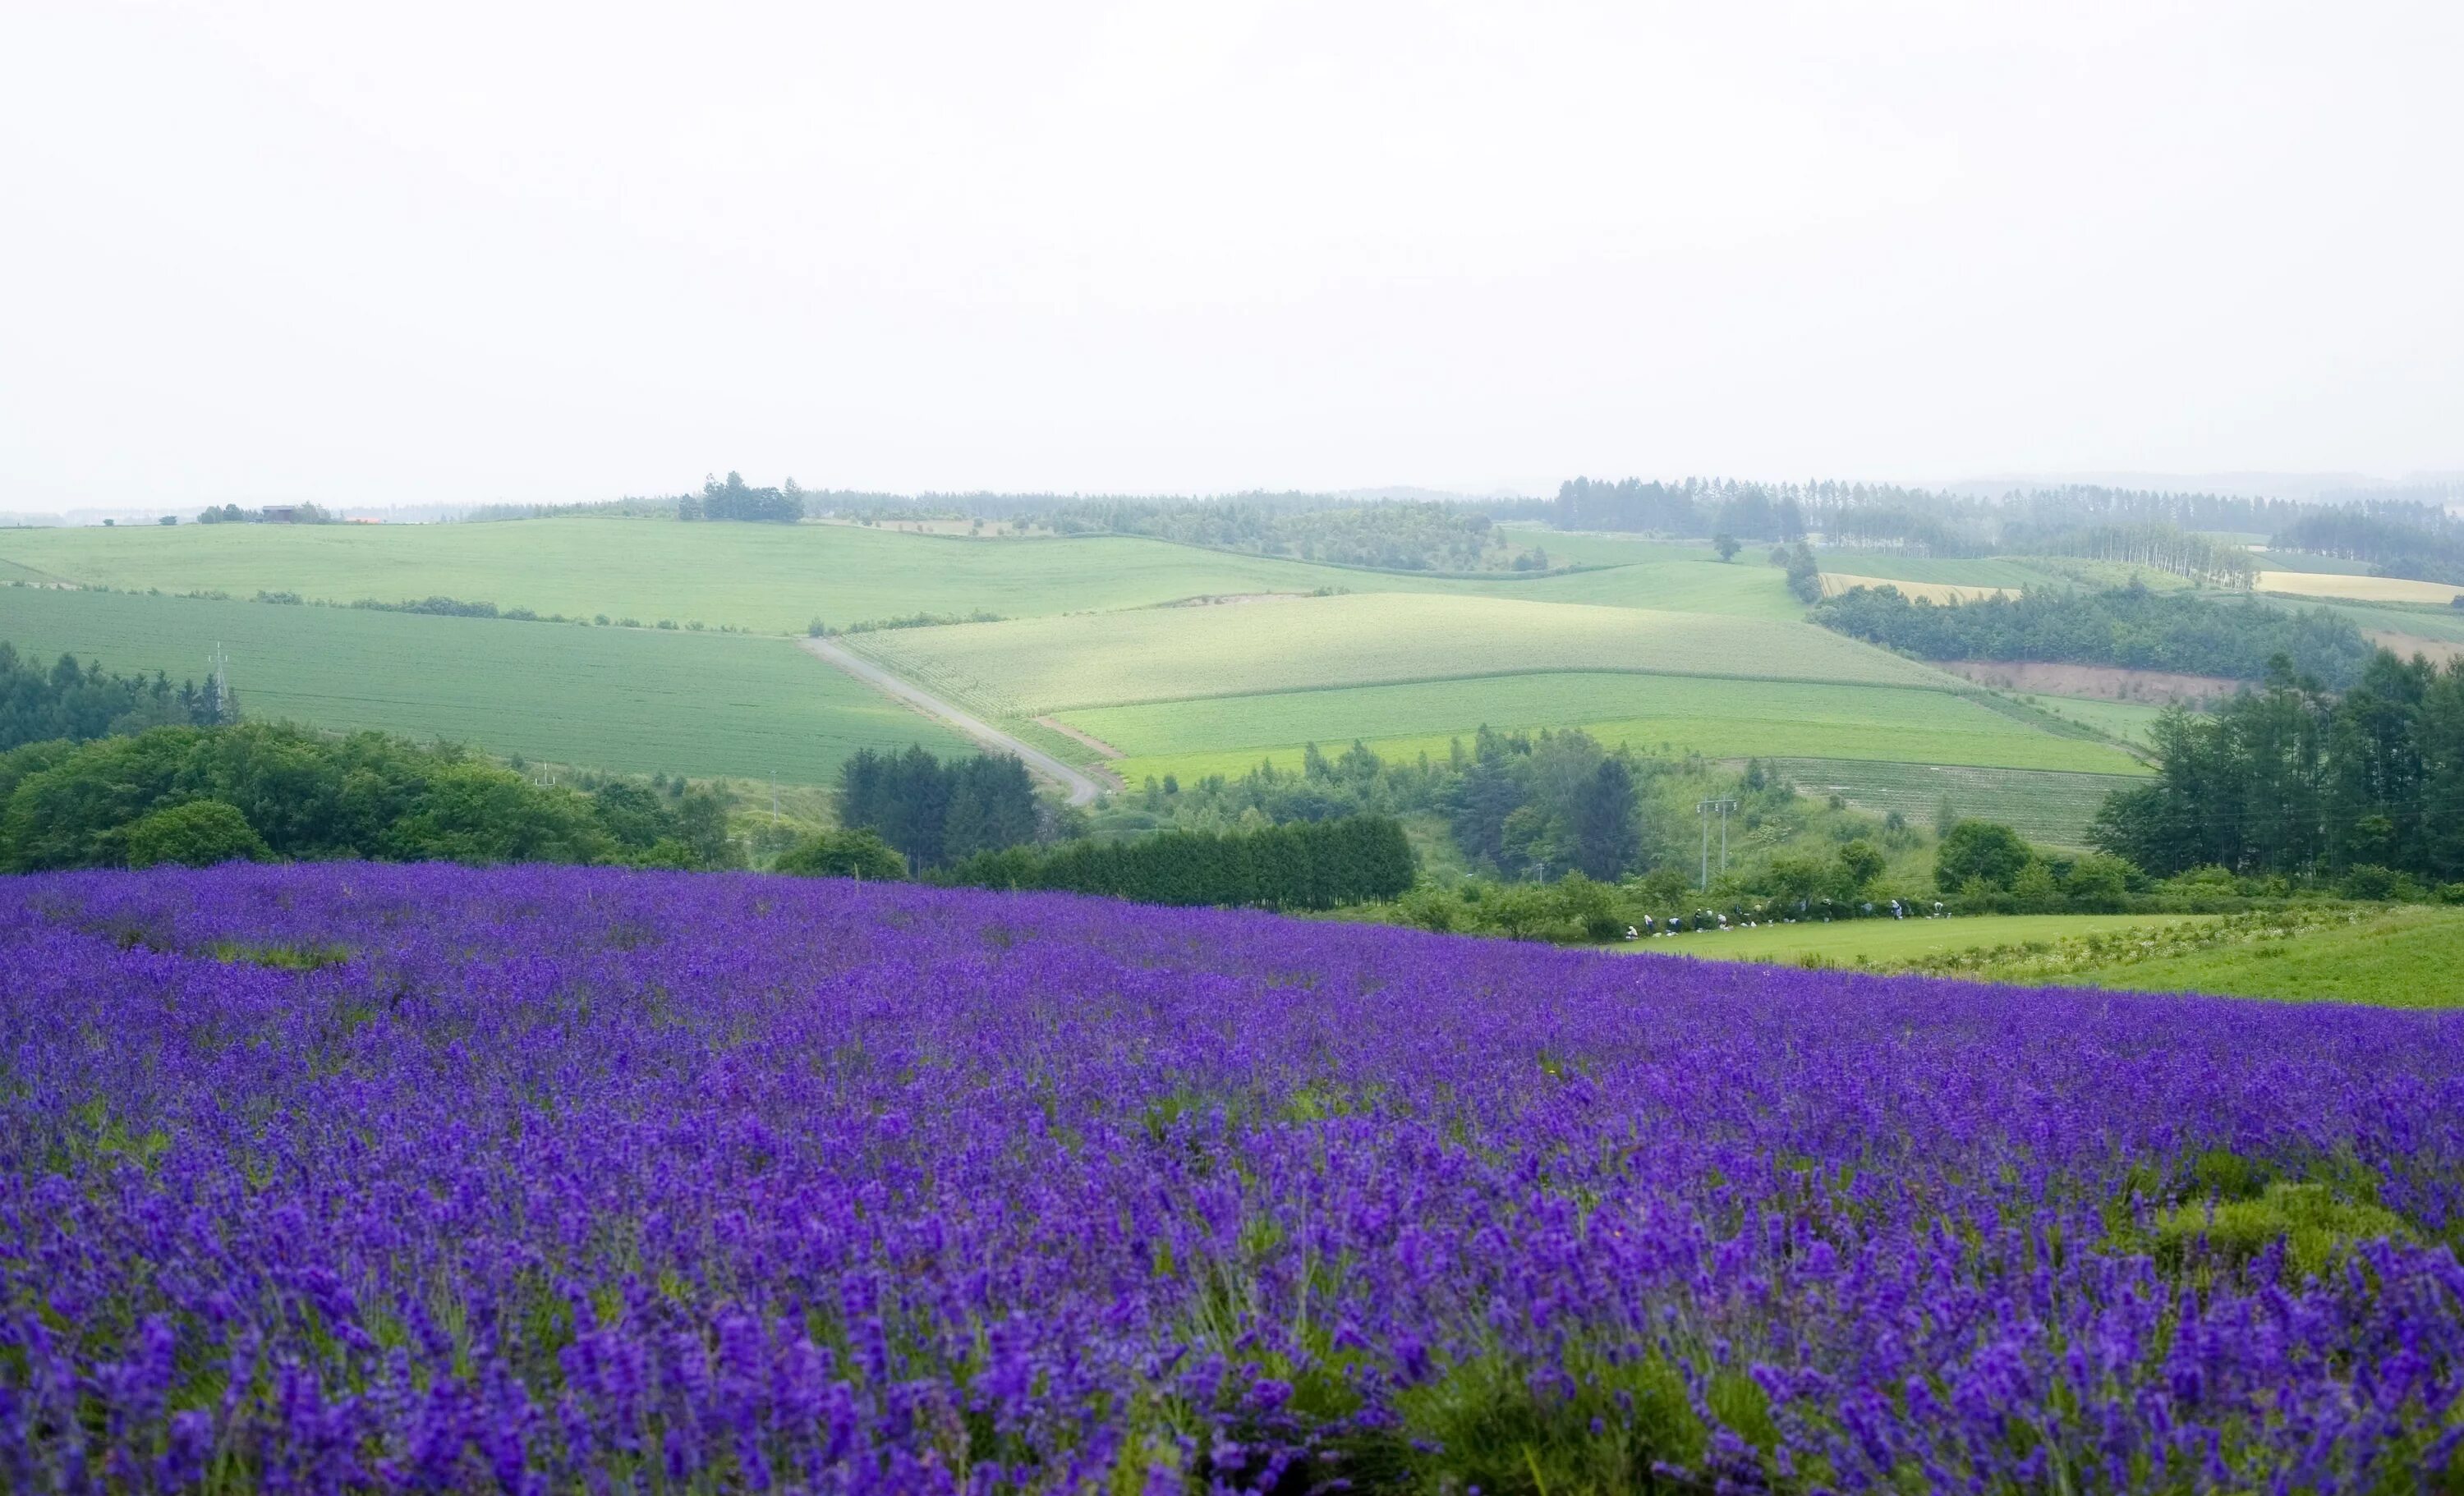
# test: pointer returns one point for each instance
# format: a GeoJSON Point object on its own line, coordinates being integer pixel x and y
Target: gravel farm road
{"type": "Point", "coordinates": [1083, 789]}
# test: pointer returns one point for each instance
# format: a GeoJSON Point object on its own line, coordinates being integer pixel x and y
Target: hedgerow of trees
{"type": "Point", "coordinates": [2295, 780]}
{"type": "Point", "coordinates": [2129, 625]}
{"type": "Point", "coordinates": [1319, 865]}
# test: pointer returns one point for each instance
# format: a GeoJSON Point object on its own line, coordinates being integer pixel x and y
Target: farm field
{"type": "Point", "coordinates": [2052, 809]}
{"type": "Point", "coordinates": [2398, 957]}
{"type": "Point", "coordinates": [1717, 718]}
{"type": "Point", "coordinates": [1126, 1198]}
{"type": "Point", "coordinates": [2357, 588]}
{"type": "Point", "coordinates": [1037, 666]}
{"type": "Point", "coordinates": [2125, 722]}
{"type": "Point", "coordinates": [2302, 561]}
{"type": "Point", "coordinates": [1997, 571]}
{"type": "Point", "coordinates": [635, 700]}
{"type": "Point", "coordinates": [770, 579]}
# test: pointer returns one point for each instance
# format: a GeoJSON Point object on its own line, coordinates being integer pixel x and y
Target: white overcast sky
{"type": "Point", "coordinates": [447, 252]}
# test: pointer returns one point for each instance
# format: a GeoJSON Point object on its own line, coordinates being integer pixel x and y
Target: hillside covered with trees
{"type": "Point", "coordinates": [74, 702]}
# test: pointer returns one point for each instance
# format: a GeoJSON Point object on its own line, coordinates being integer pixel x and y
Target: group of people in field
{"type": "Point", "coordinates": [1748, 916]}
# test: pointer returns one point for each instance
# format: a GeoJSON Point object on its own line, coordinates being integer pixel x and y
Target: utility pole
{"type": "Point", "coordinates": [1703, 808]}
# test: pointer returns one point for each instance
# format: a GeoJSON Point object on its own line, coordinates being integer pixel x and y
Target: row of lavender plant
{"type": "Point", "coordinates": [352, 1178]}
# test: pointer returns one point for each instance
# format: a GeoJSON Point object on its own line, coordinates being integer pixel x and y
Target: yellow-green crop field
{"type": "Point", "coordinates": [1653, 714]}
{"type": "Point", "coordinates": [1024, 668]}
{"type": "Point", "coordinates": [637, 701]}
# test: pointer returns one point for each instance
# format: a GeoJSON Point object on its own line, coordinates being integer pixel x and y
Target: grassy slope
{"type": "Point", "coordinates": [1164, 655]}
{"type": "Point", "coordinates": [2404, 957]}
{"type": "Point", "coordinates": [775, 578]}
{"type": "Point", "coordinates": [771, 579]}
{"type": "Point", "coordinates": [1718, 719]}
{"type": "Point", "coordinates": [1882, 942]}
{"type": "Point", "coordinates": [639, 701]}
{"type": "Point", "coordinates": [2408, 957]}
{"type": "Point", "coordinates": [2126, 721]}
{"type": "Point", "coordinates": [2051, 808]}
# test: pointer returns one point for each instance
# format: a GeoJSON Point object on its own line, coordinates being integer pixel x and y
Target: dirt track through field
{"type": "Point", "coordinates": [1081, 788]}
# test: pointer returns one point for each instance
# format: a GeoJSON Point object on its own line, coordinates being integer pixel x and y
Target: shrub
{"type": "Point", "coordinates": [201, 833]}
{"type": "Point", "coordinates": [1980, 852]}
{"type": "Point", "coordinates": [842, 855]}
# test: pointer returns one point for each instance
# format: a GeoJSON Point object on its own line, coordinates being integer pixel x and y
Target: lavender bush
{"type": "Point", "coordinates": [351, 1178]}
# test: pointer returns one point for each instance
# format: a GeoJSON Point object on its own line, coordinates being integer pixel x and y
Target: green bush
{"type": "Point", "coordinates": [198, 834]}
{"type": "Point", "coordinates": [858, 854]}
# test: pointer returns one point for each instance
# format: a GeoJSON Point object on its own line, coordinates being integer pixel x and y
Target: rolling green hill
{"type": "Point", "coordinates": [1046, 665]}
{"type": "Point", "coordinates": [1654, 714]}
{"type": "Point", "coordinates": [637, 701]}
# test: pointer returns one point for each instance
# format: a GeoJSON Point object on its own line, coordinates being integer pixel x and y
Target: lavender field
{"type": "Point", "coordinates": [350, 1177]}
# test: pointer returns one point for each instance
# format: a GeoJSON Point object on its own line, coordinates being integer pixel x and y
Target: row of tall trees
{"type": "Point", "coordinates": [1308, 865]}
{"type": "Point", "coordinates": [2130, 626]}
{"type": "Point", "coordinates": [1692, 507]}
{"type": "Point", "coordinates": [79, 702]}
{"type": "Point", "coordinates": [2398, 539]}
{"type": "Point", "coordinates": [935, 812]}
{"type": "Point", "coordinates": [2295, 780]}
{"type": "Point", "coordinates": [2158, 546]}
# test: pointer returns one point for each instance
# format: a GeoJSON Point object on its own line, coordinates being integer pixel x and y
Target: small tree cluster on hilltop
{"type": "Point", "coordinates": [733, 499]}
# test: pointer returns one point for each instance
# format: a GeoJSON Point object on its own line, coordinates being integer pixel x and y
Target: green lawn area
{"type": "Point", "coordinates": [637, 701]}
{"type": "Point", "coordinates": [1032, 665]}
{"type": "Point", "coordinates": [2403, 958]}
{"type": "Point", "coordinates": [1654, 714]}
{"type": "Point", "coordinates": [1886, 942]}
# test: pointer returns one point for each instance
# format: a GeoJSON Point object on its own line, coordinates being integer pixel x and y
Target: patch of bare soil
{"type": "Point", "coordinates": [2100, 682]}
{"type": "Point", "coordinates": [2406, 646]}
{"type": "Point", "coordinates": [1089, 739]}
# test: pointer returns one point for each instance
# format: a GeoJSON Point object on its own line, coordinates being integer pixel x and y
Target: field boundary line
{"type": "Point", "coordinates": [1961, 688]}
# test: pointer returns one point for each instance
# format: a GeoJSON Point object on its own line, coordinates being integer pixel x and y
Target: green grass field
{"type": "Point", "coordinates": [2052, 809]}
{"type": "Point", "coordinates": [636, 700]}
{"type": "Point", "coordinates": [771, 579]}
{"type": "Point", "coordinates": [2127, 721]}
{"type": "Point", "coordinates": [776, 579]}
{"type": "Point", "coordinates": [2299, 561]}
{"type": "Point", "coordinates": [1997, 571]}
{"type": "Point", "coordinates": [1654, 714]}
{"type": "Point", "coordinates": [2399, 957]}
{"type": "Point", "coordinates": [1884, 943]}
{"type": "Point", "coordinates": [1033, 666]}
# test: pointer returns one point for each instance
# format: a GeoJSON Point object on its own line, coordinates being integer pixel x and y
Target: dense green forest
{"type": "Point", "coordinates": [1392, 534]}
{"type": "Point", "coordinates": [79, 702]}
{"type": "Point", "coordinates": [934, 812]}
{"type": "Point", "coordinates": [2157, 546]}
{"type": "Point", "coordinates": [2296, 780]}
{"type": "Point", "coordinates": [207, 794]}
{"type": "Point", "coordinates": [1308, 865]}
{"type": "Point", "coordinates": [2129, 626]}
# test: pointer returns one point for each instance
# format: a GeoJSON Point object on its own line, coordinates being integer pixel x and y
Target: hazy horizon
{"type": "Point", "coordinates": [544, 255]}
